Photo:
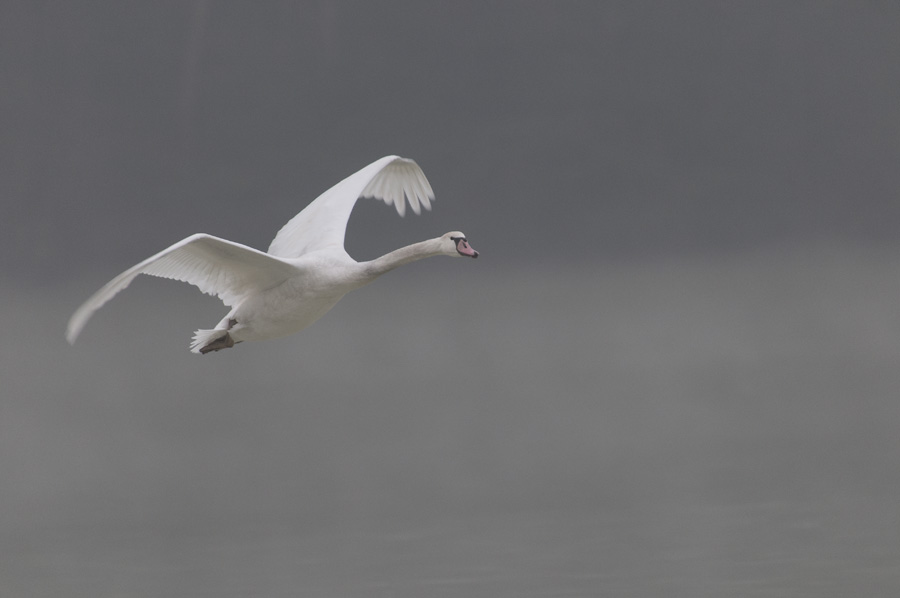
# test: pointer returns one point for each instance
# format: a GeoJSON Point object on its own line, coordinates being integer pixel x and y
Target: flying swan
{"type": "Point", "coordinates": [306, 270]}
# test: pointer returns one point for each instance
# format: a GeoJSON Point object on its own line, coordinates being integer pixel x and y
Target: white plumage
{"type": "Point", "coordinates": [306, 270]}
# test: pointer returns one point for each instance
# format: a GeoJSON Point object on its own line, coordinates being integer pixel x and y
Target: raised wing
{"type": "Point", "coordinates": [323, 222]}
{"type": "Point", "coordinates": [215, 266]}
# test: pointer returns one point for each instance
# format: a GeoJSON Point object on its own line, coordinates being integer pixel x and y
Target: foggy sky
{"type": "Point", "coordinates": [549, 130]}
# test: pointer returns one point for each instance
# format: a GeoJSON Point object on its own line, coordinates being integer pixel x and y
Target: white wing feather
{"type": "Point", "coordinates": [323, 223]}
{"type": "Point", "coordinates": [215, 266]}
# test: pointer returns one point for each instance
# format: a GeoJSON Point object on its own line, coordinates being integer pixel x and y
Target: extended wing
{"type": "Point", "coordinates": [215, 266]}
{"type": "Point", "coordinates": [323, 222]}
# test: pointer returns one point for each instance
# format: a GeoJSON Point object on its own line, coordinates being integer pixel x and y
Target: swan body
{"type": "Point", "coordinates": [306, 270]}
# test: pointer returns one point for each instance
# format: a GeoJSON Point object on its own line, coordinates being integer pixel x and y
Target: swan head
{"type": "Point", "coordinates": [455, 243]}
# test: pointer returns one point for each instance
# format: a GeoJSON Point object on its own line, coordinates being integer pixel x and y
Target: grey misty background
{"type": "Point", "coordinates": [673, 371]}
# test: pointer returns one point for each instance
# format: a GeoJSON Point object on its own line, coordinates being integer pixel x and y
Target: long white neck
{"type": "Point", "coordinates": [399, 257]}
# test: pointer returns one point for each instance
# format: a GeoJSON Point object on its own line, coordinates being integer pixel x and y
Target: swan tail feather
{"type": "Point", "coordinates": [205, 341]}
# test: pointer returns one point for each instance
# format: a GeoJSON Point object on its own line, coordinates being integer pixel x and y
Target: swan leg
{"type": "Point", "coordinates": [223, 342]}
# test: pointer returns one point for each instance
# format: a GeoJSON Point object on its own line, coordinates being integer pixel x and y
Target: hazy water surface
{"type": "Point", "coordinates": [686, 427]}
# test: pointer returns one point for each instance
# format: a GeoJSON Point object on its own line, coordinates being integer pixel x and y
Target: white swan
{"type": "Point", "coordinates": [306, 270]}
